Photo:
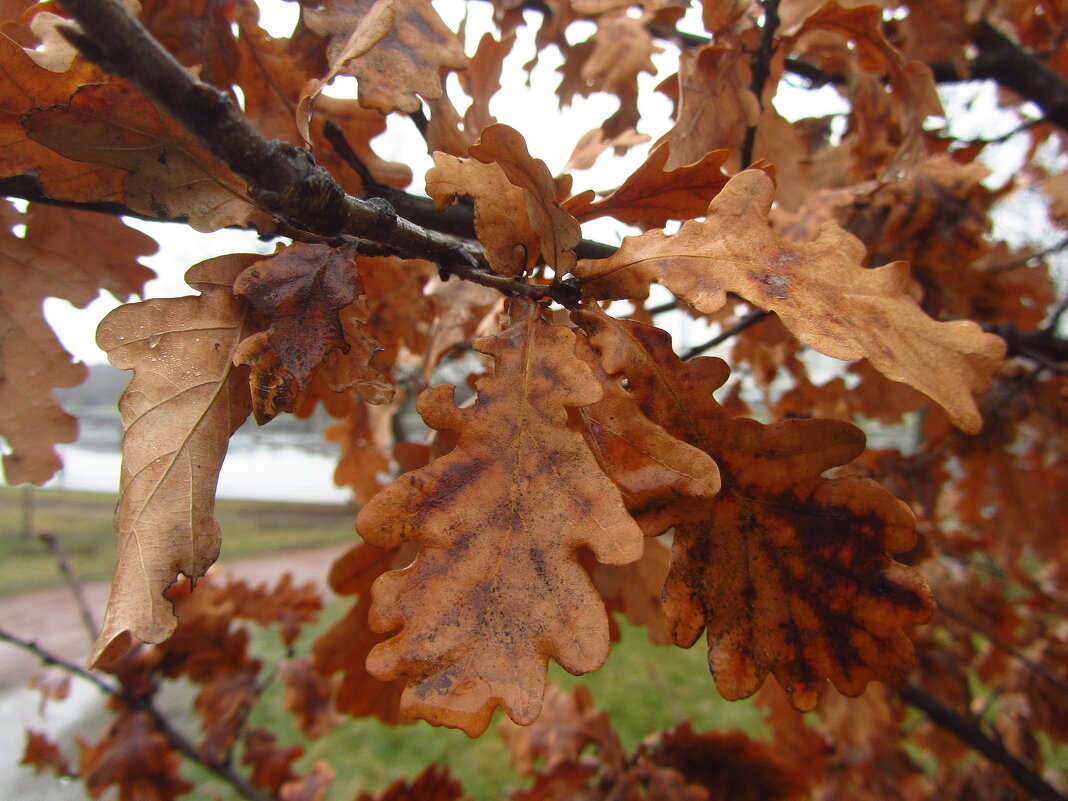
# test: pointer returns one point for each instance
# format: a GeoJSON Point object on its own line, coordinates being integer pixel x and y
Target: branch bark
{"type": "Point", "coordinates": [970, 734]}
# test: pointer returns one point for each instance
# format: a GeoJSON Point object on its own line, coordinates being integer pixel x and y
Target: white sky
{"type": "Point", "coordinates": [551, 135]}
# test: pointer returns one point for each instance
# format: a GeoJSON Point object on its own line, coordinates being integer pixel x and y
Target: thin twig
{"type": "Point", "coordinates": [73, 583]}
{"type": "Point", "coordinates": [972, 735]}
{"type": "Point", "coordinates": [1024, 260]}
{"type": "Point", "coordinates": [176, 739]}
{"type": "Point", "coordinates": [336, 137]}
{"type": "Point", "coordinates": [999, 643]}
{"type": "Point", "coordinates": [750, 319]}
{"type": "Point", "coordinates": [760, 65]}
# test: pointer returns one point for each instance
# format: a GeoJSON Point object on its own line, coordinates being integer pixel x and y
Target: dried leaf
{"type": "Point", "coordinates": [299, 294]}
{"type": "Point", "coordinates": [396, 49]}
{"type": "Point", "coordinates": [312, 787]}
{"type": "Point", "coordinates": [170, 173]}
{"type": "Point", "coordinates": [308, 695]}
{"type": "Point", "coordinates": [635, 590]}
{"type": "Point", "coordinates": [789, 571]}
{"type": "Point", "coordinates": [558, 231]}
{"type": "Point", "coordinates": [344, 646]}
{"type": "Point", "coordinates": [433, 784]}
{"type": "Point", "coordinates": [364, 435]}
{"type": "Point", "coordinates": [501, 221]}
{"type": "Point", "coordinates": [652, 195]}
{"type": "Point", "coordinates": [223, 705]}
{"type": "Point", "coordinates": [271, 765]}
{"type": "Point", "coordinates": [183, 403]}
{"type": "Point", "coordinates": [818, 289]}
{"type": "Point", "coordinates": [515, 498]}
{"type": "Point", "coordinates": [42, 754]}
{"type": "Point", "coordinates": [133, 755]}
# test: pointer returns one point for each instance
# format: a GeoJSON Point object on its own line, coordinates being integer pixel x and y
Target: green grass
{"type": "Point", "coordinates": [82, 524]}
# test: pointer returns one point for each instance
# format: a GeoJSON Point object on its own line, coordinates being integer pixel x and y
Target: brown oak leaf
{"type": "Point", "coordinates": [184, 401]}
{"type": "Point", "coordinates": [819, 289]}
{"type": "Point", "coordinates": [558, 231]}
{"type": "Point", "coordinates": [501, 220]}
{"type": "Point", "coordinates": [64, 254]}
{"type": "Point", "coordinates": [652, 195]}
{"type": "Point", "coordinates": [344, 646]}
{"type": "Point", "coordinates": [42, 754]}
{"type": "Point", "coordinates": [396, 49]}
{"type": "Point", "coordinates": [300, 294]}
{"type": "Point", "coordinates": [170, 174]}
{"type": "Point", "coordinates": [433, 784]}
{"type": "Point", "coordinates": [789, 571]}
{"type": "Point", "coordinates": [271, 764]}
{"type": "Point", "coordinates": [136, 757]}
{"type": "Point", "coordinates": [496, 589]}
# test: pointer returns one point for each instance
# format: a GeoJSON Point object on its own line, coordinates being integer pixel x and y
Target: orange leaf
{"type": "Point", "coordinates": [133, 755]}
{"type": "Point", "coordinates": [396, 49]}
{"type": "Point", "coordinates": [300, 294]}
{"type": "Point", "coordinates": [183, 403]}
{"type": "Point", "coordinates": [652, 195]}
{"type": "Point", "coordinates": [501, 221]}
{"type": "Point", "coordinates": [170, 173]}
{"type": "Point", "coordinates": [433, 784]}
{"type": "Point", "coordinates": [496, 589]}
{"type": "Point", "coordinates": [308, 695]}
{"type": "Point", "coordinates": [43, 754]}
{"type": "Point", "coordinates": [271, 765]}
{"type": "Point", "coordinates": [558, 231]}
{"type": "Point", "coordinates": [788, 571]}
{"type": "Point", "coordinates": [819, 289]}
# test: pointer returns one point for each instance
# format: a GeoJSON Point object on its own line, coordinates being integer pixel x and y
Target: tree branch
{"type": "Point", "coordinates": [750, 319]}
{"type": "Point", "coordinates": [73, 583]}
{"type": "Point", "coordinates": [760, 66]}
{"type": "Point", "coordinates": [176, 739]}
{"type": "Point", "coordinates": [283, 179]}
{"type": "Point", "coordinates": [972, 735]}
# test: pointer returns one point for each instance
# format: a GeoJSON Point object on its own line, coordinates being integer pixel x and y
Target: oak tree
{"type": "Point", "coordinates": [897, 610]}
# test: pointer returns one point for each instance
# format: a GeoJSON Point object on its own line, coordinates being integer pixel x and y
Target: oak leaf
{"type": "Point", "coordinates": [789, 571]}
{"type": "Point", "coordinates": [433, 784]}
{"type": "Point", "coordinates": [170, 173]}
{"type": "Point", "coordinates": [496, 589]}
{"type": "Point", "coordinates": [271, 764]}
{"type": "Point", "coordinates": [42, 754]}
{"type": "Point", "coordinates": [396, 49]}
{"type": "Point", "coordinates": [363, 435]}
{"type": "Point", "coordinates": [502, 223]}
{"type": "Point", "coordinates": [558, 231]}
{"type": "Point", "coordinates": [299, 294]}
{"type": "Point", "coordinates": [634, 590]}
{"type": "Point", "coordinates": [185, 400]}
{"type": "Point", "coordinates": [308, 697]}
{"type": "Point", "coordinates": [653, 195]}
{"type": "Point", "coordinates": [343, 647]}
{"type": "Point", "coordinates": [136, 757]}
{"type": "Point", "coordinates": [819, 289]}
{"type": "Point", "coordinates": [63, 254]}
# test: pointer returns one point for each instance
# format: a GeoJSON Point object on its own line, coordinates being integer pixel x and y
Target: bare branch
{"type": "Point", "coordinates": [76, 589]}
{"type": "Point", "coordinates": [750, 319]}
{"type": "Point", "coordinates": [760, 65]}
{"type": "Point", "coordinates": [972, 735]}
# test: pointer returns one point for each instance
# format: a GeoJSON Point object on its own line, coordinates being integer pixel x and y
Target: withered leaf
{"type": "Point", "coordinates": [299, 294]}
{"type": "Point", "coordinates": [819, 289]}
{"type": "Point", "coordinates": [134, 756]}
{"type": "Point", "coordinates": [170, 173]}
{"type": "Point", "coordinates": [501, 221]}
{"type": "Point", "coordinates": [42, 754]}
{"type": "Point", "coordinates": [433, 784]}
{"type": "Point", "coordinates": [496, 589]}
{"type": "Point", "coordinates": [396, 49]}
{"type": "Point", "coordinates": [652, 195]}
{"type": "Point", "coordinates": [185, 400]}
{"type": "Point", "coordinates": [64, 254]}
{"type": "Point", "coordinates": [651, 468]}
{"type": "Point", "coordinates": [558, 231]}
{"type": "Point", "coordinates": [363, 435]}
{"type": "Point", "coordinates": [789, 571]}
{"type": "Point", "coordinates": [308, 697]}
{"type": "Point", "coordinates": [271, 764]}
{"type": "Point", "coordinates": [635, 589]}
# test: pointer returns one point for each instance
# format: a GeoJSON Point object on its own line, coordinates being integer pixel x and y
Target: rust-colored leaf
{"type": "Point", "coordinates": [170, 173]}
{"type": "Point", "coordinates": [364, 436]}
{"type": "Point", "coordinates": [433, 784]}
{"type": "Point", "coordinates": [308, 697]}
{"type": "Point", "coordinates": [299, 294]}
{"type": "Point", "coordinates": [635, 589]}
{"type": "Point", "coordinates": [42, 754]}
{"type": "Point", "coordinates": [344, 646]}
{"type": "Point", "coordinates": [134, 756]}
{"type": "Point", "coordinates": [515, 498]}
{"type": "Point", "coordinates": [396, 49]}
{"type": "Point", "coordinates": [185, 400]}
{"type": "Point", "coordinates": [652, 195]}
{"type": "Point", "coordinates": [789, 571]}
{"type": "Point", "coordinates": [501, 221]}
{"type": "Point", "coordinates": [558, 231]}
{"type": "Point", "coordinates": [64, 254]}
{"type": "Point", "coordinates": [819, 289]}
{"type": "Point", "coordinates": [312, 787]}
{"type": "Point", "coordinates": [271, 764]}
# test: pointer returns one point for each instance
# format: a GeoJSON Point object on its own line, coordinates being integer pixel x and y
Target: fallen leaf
{"type": "Point", "coordinates": [789, 571]}
{"type": "Point", "coordinates": [515, 498]}
{"type": "Point", "coordinates": [558, 231]}
{"type": "Point", "coordinates": [185, 400]}
{"type": "Point", "coordinates": [819, 290]}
